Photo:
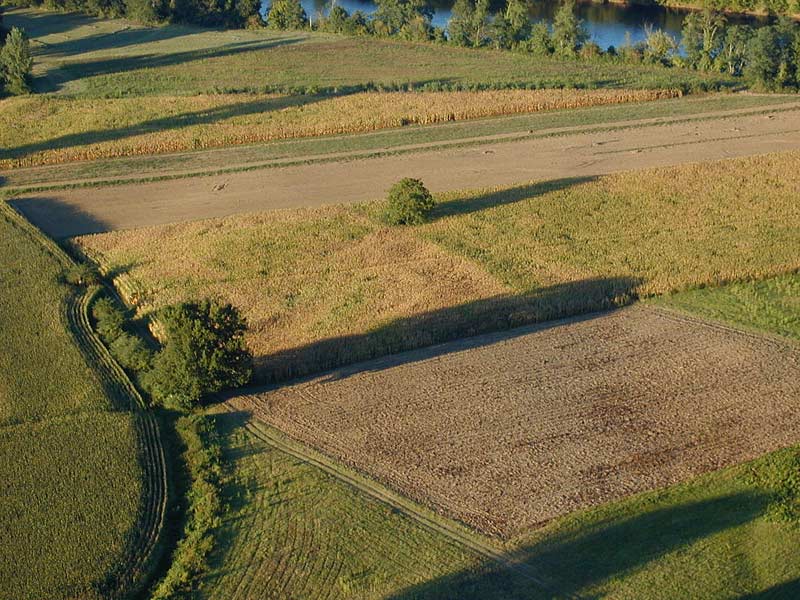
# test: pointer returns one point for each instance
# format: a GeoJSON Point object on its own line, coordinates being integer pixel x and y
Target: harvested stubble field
{"type": "Point", "coordinates": [54, 129]}
{"type": "Point", "coordinates": [69, 460]}
{"type": "Point", "coordinates": [573, 414]}
{"type": "Point", "coordinates": [331, 286]}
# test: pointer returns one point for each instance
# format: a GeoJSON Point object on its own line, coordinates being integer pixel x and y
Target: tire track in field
{"type": "Point", "coordinates": [378, 492]}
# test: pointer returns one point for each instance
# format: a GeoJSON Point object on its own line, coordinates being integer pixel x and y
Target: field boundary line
{"type": "Point", "coordinates": [142, 551]}
{"type": "Point", "coordinates": [457, 534]}
{"type": "Point", "coordinates": [399, 150]}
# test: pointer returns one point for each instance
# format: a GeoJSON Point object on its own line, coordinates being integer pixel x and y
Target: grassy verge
{"type": "Point", "coordinates": [331, 286]}
{"type": "Point", "coordinates": [70, 459]}
{"type": "Point", "coordinates": [201, 457]}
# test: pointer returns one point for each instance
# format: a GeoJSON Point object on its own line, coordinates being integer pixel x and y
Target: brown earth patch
{"type": "Point", "coordinates": [508, 431]}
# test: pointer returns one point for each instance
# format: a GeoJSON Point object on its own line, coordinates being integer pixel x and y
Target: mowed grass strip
{"type": "Point", "coordinates": [71, 488]}
{"type": "Point", "coordinates": [296, 532]}
{"type": "Point", "coordinates": [330, 286]}
{"type": "Point", "coordinates": [52, 129]}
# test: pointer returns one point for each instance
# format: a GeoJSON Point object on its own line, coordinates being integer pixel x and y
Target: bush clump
{"type": "Point", "coordinates": [410, 203]}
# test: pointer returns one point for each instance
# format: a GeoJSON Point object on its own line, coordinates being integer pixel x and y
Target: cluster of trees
{"type": "Point", "coordinates": [16, 61]}
{"type": "Point", "coordinates": [214, 13]}
{"type": "Point", "coordinates": [203, 352]}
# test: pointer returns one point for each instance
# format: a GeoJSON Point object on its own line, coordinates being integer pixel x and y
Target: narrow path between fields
{"type": "Point", "coordinates": [73, 212]}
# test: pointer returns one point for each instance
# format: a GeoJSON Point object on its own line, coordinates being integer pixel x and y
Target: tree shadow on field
{"type": "Point", "coordinates": [566, 563]}
{"type": "Point", "coordinates": [40, 24]}
{"type": "Point", "coordinates": [56, 78]}
{"type": "Point", "coordinates": [56, 218]}
{"type": "Point", "coordinates": [172, 122]}
{"type": "Point", "coordinates": [475, 203]}
{"type": "Point", "coordinates": [496, 314]}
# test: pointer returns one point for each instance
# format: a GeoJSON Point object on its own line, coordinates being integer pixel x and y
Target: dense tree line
{"type": "Point", "coordinates": [215, 13]}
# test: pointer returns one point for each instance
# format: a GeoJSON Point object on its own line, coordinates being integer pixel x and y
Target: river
{"type": "Point", "coordinates": [606, 23]}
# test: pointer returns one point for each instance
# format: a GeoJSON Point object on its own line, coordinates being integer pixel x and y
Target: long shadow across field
{"type": "Point", "coordinates": [173, 122]}
{"type": "Point", "coordinates": [496, 314]}
{"type": "Point", "coordinates": [573, 561]}
{"type": "Point", "coordinates": [56, 78]}
{"type": "Point", "coordinates": [56, 218]}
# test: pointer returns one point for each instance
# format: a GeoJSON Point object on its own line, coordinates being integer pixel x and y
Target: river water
{"type": "Point", "coordinates": [607, 23]}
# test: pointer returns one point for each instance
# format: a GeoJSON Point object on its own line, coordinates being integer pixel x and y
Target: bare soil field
{"type": "Point", "coordinates": [79, 211]}
{"type": "Point", "coordinates": [573, 414]}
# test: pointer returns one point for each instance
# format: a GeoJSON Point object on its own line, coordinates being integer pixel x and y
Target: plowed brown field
{"type": "Point", "coordinates": [508, 431]}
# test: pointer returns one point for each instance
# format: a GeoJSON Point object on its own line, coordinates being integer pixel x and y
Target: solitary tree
{"type": "Point", "coordinates": [16, 62]}
{"type": "Point", "coordinates": [204, 353]}
{"type": "Point", "coordinates": [286, 14]}
{"type": "Point", "coordinates": [410, 202]}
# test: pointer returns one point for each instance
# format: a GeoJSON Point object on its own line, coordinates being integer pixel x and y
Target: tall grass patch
{"type": "Point", "coordinates": [325, 287]}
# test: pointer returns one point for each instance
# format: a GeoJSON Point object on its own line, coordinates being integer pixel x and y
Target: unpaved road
{"type": "Point", "coordinates": [572, 414]}
{"type": "Point", "coordinates": [91, 210]}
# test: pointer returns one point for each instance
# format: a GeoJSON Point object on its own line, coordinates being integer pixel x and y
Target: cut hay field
{"type": "Point", "coordinates": [572, 414]}
{"type": "Point", "coordinates": [41, 130]}
{"type": "Point", "coordinates": [331, 286]}
{"type": "Point", "coordinates": [69, 459]}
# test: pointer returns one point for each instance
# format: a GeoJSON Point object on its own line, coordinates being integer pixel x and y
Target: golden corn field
{"type": "Point", "coordinates": [48, 130]}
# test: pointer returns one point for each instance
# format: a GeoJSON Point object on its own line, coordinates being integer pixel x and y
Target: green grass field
{"type": "Point", "coordinates": [68, 459]}
{"type": "Point", "coordinates": [332, 286]}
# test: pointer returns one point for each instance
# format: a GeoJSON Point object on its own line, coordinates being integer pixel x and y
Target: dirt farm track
{"type": "Point", "coordinates": [499, 163]}
{"type": "Point", "coordinates": [571, 414]}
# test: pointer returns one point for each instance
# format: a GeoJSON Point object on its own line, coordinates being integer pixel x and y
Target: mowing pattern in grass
{"type": "Point", "coordinates": [330, 286]}
{"type": "Point", "coordinates": [295, 532]}
{"type": "Point", "coordinates": [52, 129]}
{"type": "Point", "coordinates": [771, 305]}
{"type": "Point", "coordinates": [72, 481]}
